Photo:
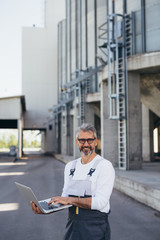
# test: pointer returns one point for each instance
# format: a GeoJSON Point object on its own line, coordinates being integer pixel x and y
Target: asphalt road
{"type": "Point", "coordinates": [129, 219]}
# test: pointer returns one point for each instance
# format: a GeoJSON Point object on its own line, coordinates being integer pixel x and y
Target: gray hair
{"type": "Point", "coordinates": [86, 127]}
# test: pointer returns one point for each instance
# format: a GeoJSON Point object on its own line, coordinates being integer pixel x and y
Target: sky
{"type": "Point", "coordinates": [15, 14]}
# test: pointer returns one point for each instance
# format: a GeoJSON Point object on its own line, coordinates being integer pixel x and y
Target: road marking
{"type": "Point", "coordinates": [12, 164]}
{"type": "Point", "coordinates": [11, 174]}
{"type": "Point", "coordinates": [8, 207]}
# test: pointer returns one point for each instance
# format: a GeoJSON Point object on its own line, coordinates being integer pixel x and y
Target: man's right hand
{"type": "Point", "coordinates": [35, 209]}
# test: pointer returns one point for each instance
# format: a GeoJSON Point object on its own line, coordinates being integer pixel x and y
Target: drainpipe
{"type": "Point", "coordinates": [143, 25]}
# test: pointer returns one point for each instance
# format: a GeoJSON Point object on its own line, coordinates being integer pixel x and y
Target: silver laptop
{"type": "Point", "coordinates": [29, 195]}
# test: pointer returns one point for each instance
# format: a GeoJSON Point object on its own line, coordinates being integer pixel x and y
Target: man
{"type": "Point", "coordinates": [88, 186]}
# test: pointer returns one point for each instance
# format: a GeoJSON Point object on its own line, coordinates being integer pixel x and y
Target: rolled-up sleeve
{"type": "Point", "coordinates": [66, 180]}
{"type": "Point", "coordinates": [104, 186]}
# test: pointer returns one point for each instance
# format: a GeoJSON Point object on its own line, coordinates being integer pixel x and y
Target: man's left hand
{"type": "Point", "coordinates": [58, 199]}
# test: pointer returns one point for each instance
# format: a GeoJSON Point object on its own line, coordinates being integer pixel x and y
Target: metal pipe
{"type": "Point", "coordinates": [124, 6]}
{"type": "Point", "coordinates": [143, 25]}
{"type": "Point", "coordinates": [113, 22]}
{"type": "Point", "coordinates": [80, 34]}
{"type": "Point", "coordinates": [113, 7]}
{"type": "Point", "coordinates": [76, 34]}
{"type": "Point", "coordinates": [70, 39]}
{"type": "Point", "coordinates": [95, 46]}
{"type": "Point", "coordinates": [66, 38]}
{"type": "Point", "coordinates": [107, 7]}
{"type": "Point", "coordinates": [86, 32]}
{"type": "Point", "coordinates": [58, 85]}
{"type": "Point", "coordinates": [133, 33]}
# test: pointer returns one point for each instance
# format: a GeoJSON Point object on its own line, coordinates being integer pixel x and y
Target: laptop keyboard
{"type": "Point", "coordinates": [45, 206]}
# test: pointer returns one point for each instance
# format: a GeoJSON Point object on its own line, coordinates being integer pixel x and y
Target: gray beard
{"type": "Point", "coordinates": [86, 154]}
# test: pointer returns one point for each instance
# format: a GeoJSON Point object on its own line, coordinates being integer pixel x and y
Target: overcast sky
{"type": "Point", "coordinates": [14, 14]}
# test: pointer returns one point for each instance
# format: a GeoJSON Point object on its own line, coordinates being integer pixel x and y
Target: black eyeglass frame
{"type": "Point", "coordinates": [88, 140]}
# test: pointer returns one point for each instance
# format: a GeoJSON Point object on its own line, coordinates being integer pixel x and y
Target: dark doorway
{"type": "Point", "coordinates": [8, 124]}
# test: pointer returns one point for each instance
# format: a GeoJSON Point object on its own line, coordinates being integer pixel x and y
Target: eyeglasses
{"type": "Point", "coordinates": [83, 140]}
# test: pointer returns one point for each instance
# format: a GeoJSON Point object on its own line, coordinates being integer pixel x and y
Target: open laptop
{"type": "Point", "coordinates": [29, 195]}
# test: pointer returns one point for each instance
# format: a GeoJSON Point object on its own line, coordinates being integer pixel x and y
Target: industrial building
{"type": "Point", "coordinates": [39, 84]}
{"type": "Point", "coordinates": [12, 110]}
{"type": "Point", "coordinates": [109, 75]}
{"type": "Point", "coordinates": [39, 70]}
{"type": "Point", "coordinates": [105, 70]}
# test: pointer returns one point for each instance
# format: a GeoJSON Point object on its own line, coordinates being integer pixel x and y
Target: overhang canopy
{"type": "Point", "coordinates": [11, 109]}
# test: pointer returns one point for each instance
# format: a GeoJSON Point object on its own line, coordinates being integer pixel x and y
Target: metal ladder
{"type": "Point", "coordinates": [64, 120]}
{"type": "Point", "coordinates": [119, 47]}
{"type": "Point", "coordinates": [122, 131]}
{"type": "Point", "coordinates": [64, 109]}
{"type": "Point", "coordinates": [80, 92]}
{"type": "Point", "coordinates": [129, 21]}
{"type": "Point", "coordinates": [82, 102]}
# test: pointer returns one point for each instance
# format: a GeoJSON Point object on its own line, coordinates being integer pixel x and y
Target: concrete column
{"type": "Point", "coordinates": [159, 139]}
{"type": "Point", "coordinates": [76, 152]}
{"type": "Point", "coordinates": [109, 129]}
{"type": "Point", "coordinates": [49, 141]}
{"type": "Point", "coordinates": [63, 134]}
{"type": "Point", "coordinates": [43, 141]}
{"type": "Point", "coordinates": [145, 134]}
{"type": "Point", "coordinates": [151, 116]}
{"type": "Point", "coordinates": [70, 138]}
{"type": "Point", "coordinates": [19, 138]}
{"type": "Point", "coordinates": [134, 122]}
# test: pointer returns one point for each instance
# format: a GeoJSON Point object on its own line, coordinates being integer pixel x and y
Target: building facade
{"type": "Point", "coordinates": [109, 75]}
{"type": "Point", "coordinates": [39, 73]}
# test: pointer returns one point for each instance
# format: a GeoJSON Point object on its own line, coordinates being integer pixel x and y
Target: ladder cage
{"type": "Point", "coordinates": [119, 47]}
{"type": "Point", "coordinates": [64, 119]}
{"type": "Point", "coordinates": [122, 143]}
{"type": "Point", "coordinates": [80, 105]}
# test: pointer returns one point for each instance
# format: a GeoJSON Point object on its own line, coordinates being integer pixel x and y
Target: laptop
{"type": "Point", "coordinates": [29, 195]}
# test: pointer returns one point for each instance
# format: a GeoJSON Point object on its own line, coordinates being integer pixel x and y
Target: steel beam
{"type": "Point", "coordinates": [84, 77]}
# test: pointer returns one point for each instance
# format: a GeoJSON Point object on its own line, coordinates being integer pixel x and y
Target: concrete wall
{"type": "Point", "coordinates": [150, 91]}
{"type": "Point", "coordinates": [143, 87]}
{"type": "Point", "coordinates": [109, 129]}
{"type": "Point", "coordinates": [109, 133]}
{"type": "Point", "coordinates": [10, 108]}
{"type": "Point", "coordinates": [37, 84]}
{"type": "Point", "coordinates": [91, 110]}
{"type": "Point", "coordinates": [145, 133]}
{"type": "Point", "coordinates": [133, 5]}
{"type": "Point", "coordinates": [134, 121]}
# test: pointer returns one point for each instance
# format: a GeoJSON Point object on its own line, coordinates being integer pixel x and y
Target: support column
{"type": "Point", "coordinates": [134, 122]}
{"type": "Point", "coordinates": [151, 116]}
{"type": "Point", "coordinates": [145, 134]}
{"type": "Point", "coordinates": [71, 137]}
{"type": "Point", "coordinates": [63, 134]}
{"type": "Point", "coordinates": [19, 138]}
{"type": "Point", "coordinates": [159, 139]}
{"type": "Point", "coordinates": [109, 129]}
{"type": "Point", "coordinates": [43, 141]}
{"type": "Point", "coordinates": [76, 152]}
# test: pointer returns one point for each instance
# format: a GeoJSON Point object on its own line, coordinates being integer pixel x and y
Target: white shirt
{"type": "Point", "coordinates": [102, 181]}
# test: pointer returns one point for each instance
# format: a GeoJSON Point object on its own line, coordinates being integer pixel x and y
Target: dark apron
{"type": "Point", "coordinates": [85, 224]}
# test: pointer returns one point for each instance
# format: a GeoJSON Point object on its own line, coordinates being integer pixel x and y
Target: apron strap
{"type": "Point", "coordinates": [92, 170]}
{"type": "Point", "coordinates": [73, 168]}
